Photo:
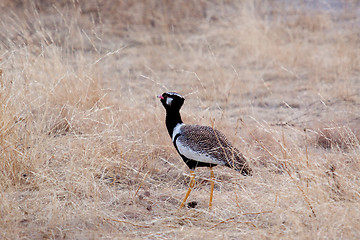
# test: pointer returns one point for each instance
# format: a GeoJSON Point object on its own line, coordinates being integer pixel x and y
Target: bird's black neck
{"type": "Point", "coordinates": [172, 119]}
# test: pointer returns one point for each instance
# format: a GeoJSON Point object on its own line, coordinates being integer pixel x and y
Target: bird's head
{"type": "Point", "coordinates": [171, 100]}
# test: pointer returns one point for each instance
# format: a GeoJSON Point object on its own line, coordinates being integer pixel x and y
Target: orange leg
{"type": "Point", "coordinates": [191, 185]}
{"type": "Point", "coordinates": [212, 177]}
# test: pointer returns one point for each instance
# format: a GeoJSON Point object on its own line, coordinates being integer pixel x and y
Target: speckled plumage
{"type": "Point", "coordinates": [212, 143]}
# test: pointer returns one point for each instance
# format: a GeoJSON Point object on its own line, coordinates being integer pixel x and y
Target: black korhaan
{"type": "Point", "coordinates": [199, 146]}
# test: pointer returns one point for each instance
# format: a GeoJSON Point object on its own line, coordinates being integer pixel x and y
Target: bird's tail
{"type": "Point", "coordinates": [239, 163]}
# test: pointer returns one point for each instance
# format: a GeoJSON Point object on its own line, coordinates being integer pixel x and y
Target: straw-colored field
{"type": "Point", "coordinates": [84, 151]}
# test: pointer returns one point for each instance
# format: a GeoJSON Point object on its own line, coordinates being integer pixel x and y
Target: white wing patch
{"type": "Point", "coordinates": [193, 155]}
{"type": "Point", "coordinates": [176, 130]}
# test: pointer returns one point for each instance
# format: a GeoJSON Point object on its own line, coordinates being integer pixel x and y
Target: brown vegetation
{"type": "Point", "coordinates": [83, 145]}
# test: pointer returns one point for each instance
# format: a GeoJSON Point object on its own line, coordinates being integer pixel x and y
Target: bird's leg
{"type": "Point", "coordinates": [191, 185]}
{"type": "Point", "coordinates": [212, 177]}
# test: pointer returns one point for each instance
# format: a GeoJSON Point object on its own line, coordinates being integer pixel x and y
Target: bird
{"type": "Point", "coordinates": [200, 146]}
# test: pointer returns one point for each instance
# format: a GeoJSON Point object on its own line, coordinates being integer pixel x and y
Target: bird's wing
{"type": "Point", "coordinates": [189, 152]}
{"type": "Point", "coordinates": [205, 144]}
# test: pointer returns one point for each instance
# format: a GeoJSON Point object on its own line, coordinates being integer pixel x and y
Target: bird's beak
{"type": "Point", "coordinates": [160, 96]}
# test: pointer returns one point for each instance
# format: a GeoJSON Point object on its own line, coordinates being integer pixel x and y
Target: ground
{"type": "Point", "coordinates": [85, 153]}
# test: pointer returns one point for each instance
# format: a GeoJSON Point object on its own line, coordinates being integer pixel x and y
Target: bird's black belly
{"type": "Point", "coordinates": [194, 164]}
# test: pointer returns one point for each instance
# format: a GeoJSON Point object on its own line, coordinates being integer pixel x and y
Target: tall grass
{"type": "Point", "coordinates": [83, 145]}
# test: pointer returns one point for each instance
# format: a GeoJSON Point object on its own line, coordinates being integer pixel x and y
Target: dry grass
{"type": "Point", "coordinates": [84, 149]}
